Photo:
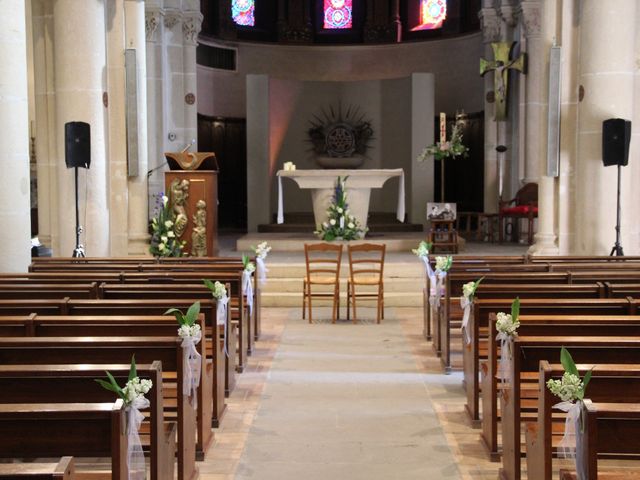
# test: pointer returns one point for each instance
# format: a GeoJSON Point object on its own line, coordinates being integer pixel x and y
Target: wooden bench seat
{"type": "Point", "coordinates": [473, 353]}
{"type": "Point", "coordinates": [111, 350]}
{"type": "Point", "coordinates": [36, 430]}
{"type": "Point", "coordinates": [609, 383]}
{"type": "Point", "coordinates": [527, 354]}
{"type": "Point", "coordinates": [76, 383]}
{"type": "Point", "coordinates": [542, 326]}
{"type": "Point", "coordinates": [65, 469]}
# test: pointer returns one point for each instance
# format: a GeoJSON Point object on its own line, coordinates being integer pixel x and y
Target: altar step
{"type": "Point", "coordinates": [403, 282]}
{"type": "Point", "coordinates": [301, 222]}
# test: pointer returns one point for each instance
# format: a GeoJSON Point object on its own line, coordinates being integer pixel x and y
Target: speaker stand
{"type": "Point", "coordinates": [78, 252]}
{"type": "Point", "coordinates": [617, 248]}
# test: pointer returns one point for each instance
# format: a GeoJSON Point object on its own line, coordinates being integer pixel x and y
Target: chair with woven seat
{"type": "Point", "coordinates": [366, 265]}
{"type": "Point", "coordinates": [323, 270]}
{"type": "Point", "coordinates": [523, 206]}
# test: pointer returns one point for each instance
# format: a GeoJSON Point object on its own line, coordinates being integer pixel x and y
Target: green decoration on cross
{"type": "Point", "coordinates": [501, 65]}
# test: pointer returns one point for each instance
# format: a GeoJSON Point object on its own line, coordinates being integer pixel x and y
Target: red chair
{"type": "Point", "coordinates": [523, 206]}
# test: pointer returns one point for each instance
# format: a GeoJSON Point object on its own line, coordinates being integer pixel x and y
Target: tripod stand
{"type": "Point", "coordinates": [79, 250]}
{"type": "Point", "coordinates": [617, 248]}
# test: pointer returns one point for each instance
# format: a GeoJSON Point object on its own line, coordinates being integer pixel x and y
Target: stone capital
{"type": "Point", "coordinates": [490, 25]}
{"type": "Point", "coordinates": [530, 14]}
{"type": "Point", "coordinates": [152, 20]}
{"type": "Point", "coordinates": [172, 18]}
{"type": "Point", "coordinates": [508, 14]}
{"type": "Point", "coordinates": [191, 26]}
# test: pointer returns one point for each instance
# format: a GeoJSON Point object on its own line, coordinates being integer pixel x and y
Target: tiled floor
{"type": "Point", "coordinates": [276, 422]}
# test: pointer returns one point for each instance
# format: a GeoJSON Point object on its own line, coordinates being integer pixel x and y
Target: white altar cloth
{"type": "Point", "coordinates": [358, 188]}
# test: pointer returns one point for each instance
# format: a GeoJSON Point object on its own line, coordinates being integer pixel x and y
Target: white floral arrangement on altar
{"type": "Point", "coordinates": [340, 225]}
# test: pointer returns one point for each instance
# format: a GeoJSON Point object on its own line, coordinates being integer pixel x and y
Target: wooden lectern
{"type": "Point", "coordinates": [192, 187]}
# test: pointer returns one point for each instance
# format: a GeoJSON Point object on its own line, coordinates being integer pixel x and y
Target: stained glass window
{"type": "Point", "coordinates": [242, 12]}
{"type": "Point", "coordinates": [432, 14]}
{"type": "Point", "coordinates": [337, 14]}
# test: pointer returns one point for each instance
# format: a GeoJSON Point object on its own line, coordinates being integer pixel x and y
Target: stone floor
{"type": "Point", "coordinates": [345, 402]}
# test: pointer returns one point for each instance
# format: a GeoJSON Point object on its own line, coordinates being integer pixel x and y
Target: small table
{"type": "Point", "coordinates": [443, 235]}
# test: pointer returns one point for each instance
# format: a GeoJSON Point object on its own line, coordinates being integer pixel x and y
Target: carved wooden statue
{"type": "Point", "coordinates": [199, 232]}
{"type": "Point", "coordinates": [179, 196]}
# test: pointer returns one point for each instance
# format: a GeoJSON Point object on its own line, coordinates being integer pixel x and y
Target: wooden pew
{"type": "Point", "coordinates": [609, 383]}
{"type": "Point", "coordinates": [213, 334]}
{"type": "Point", "coordinates": [135, 291]}
{"type": "Point", "coordinates": [475, 354]}
{"type": "Point", "coordinates": [510, 291]}
{"type": "Point", "coordinates": [528, 351]}
{"type": "Point", "coordinates": [538, 326]}
{"type": "Point", "coordinates": [49, 290]}
{"type": "Point", "coordinates": [223, 378]}
{"type": "Point", "coordinates": [36, 430]}
{"type": "Point", "coordinates": [76, 383]}
{"type": "Point", "coordinates": [65, 469]}
{"type": "Point", "coordinates": [109, 350]}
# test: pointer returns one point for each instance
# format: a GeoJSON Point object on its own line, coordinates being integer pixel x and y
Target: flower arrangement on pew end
{"type": "Point", "coordinates": [571, 390]}
{"type": "Point", "coordinates": [134, 389]}
{"type": "Point", "coordinates": [507, 327]}
{"type": "Point", "coordinates": [164, 241]}
{"type": "Point", "coordinates": [248, 265]}
{"type": "Point", "coordinates": [469, 289]}
{"type": "Point", "coordinates": [340, 225]}
{"type": "Point", "coordinates": [261, 250]}
{"type": "Point", "coordinates": [218, 290]}
{"type": "Point", "coordinates": [443, 264]}
{"type": "Point", "coordinates": [187, 322]}
{"type": "Point", "coordinates": [423, 249]}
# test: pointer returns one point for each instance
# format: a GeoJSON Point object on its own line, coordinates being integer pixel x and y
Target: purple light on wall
{"type": "Point", "coordinates": [242, 12]}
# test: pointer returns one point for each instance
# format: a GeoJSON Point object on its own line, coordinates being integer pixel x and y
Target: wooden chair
{"type": "Point", "coordinates": [323, 268]}
{"type": "Point", "coordinates": [525, 206]}
{"type": "Point", "coordinates": [366, 265]}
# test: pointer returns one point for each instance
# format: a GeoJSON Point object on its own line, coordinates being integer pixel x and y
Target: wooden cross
{"type": "Point", "coordinates": [501, 65]}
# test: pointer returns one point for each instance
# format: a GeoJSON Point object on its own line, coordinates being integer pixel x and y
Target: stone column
{"type": "Point", "coordinates": [191, 24]}
{"type": "Point", "coordinates": [606, 75]}
{"type": "Point", "coordinates": [173, 82]}
{"type": "Point", "coordinates": [14, 138]}
{"type": "Point", "coordinates": [79, 86]}
{"type": "Point", "coordinates": [117, 128]}
{"type": "Point", "coordinates": [539, 38]}
{"type": "Point", "coordinates": [135, 39]}
{"type": "Point", "coordinates": [154, 26]}
{"type": "Point", "coordinates": [45, 143]}
{"type": "Point", "coordinates": [490, 33]}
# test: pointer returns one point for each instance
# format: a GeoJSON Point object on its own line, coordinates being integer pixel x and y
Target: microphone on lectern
{"type": "Point", "coordinates": [188, 145]}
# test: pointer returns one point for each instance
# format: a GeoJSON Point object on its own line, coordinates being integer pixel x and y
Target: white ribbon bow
{"type": "Point", "coordinates": [436, 288]}
{"type": "Point", "coordinates": [572, 425]}
{"type": "Point", "coordinates": [262, 270]}
{"type": "Point", "coordinates": [504, 371]}
{"type": "Point", "coordinates": [193, 362]}
{"type": "Point", "coordinates": [247, 289]}
{"type": "Point", "coordinates": [221, 318]}
{"type": "Point", "coordinates": [466, 304]}
{"type": "Point", "coordinates": [135, 455]}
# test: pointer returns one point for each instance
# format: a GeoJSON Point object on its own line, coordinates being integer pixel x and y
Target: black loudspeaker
{"type": "Point", "coordinates": [77, 144]}
{"type": "Point", "coordinates": [616, 136]}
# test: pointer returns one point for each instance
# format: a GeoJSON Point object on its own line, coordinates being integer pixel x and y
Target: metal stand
{"type": "Point", "coordinates": [79, 250]}
{"type": "Point", "coordinates": [617, 248]}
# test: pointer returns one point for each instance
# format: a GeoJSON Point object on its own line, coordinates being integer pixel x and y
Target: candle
{"type": "Point", "coordinates": [443, 127]}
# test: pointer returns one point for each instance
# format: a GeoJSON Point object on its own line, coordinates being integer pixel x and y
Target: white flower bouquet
{"type": "Point", "coordinates": [164, 242]}
{"type": "Point", "coordinates": [134, 389]}
{"type": "Point", "coordinates": [423, 249]}
{"type": "Point", "coordinates": [469, 289]}
{"type": "Point", "coordinates": [443, 264]}
{"type": "Point", "coordinates": [262, 250]}
{"type": "Point", "coordinates": [570, 387]}
{"type": "Point", "coordinates": [340, 224]}
{"type": "Point", "coordinates": [249, 266]}
{"type": "Point", "coordinates": [218, 290]}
